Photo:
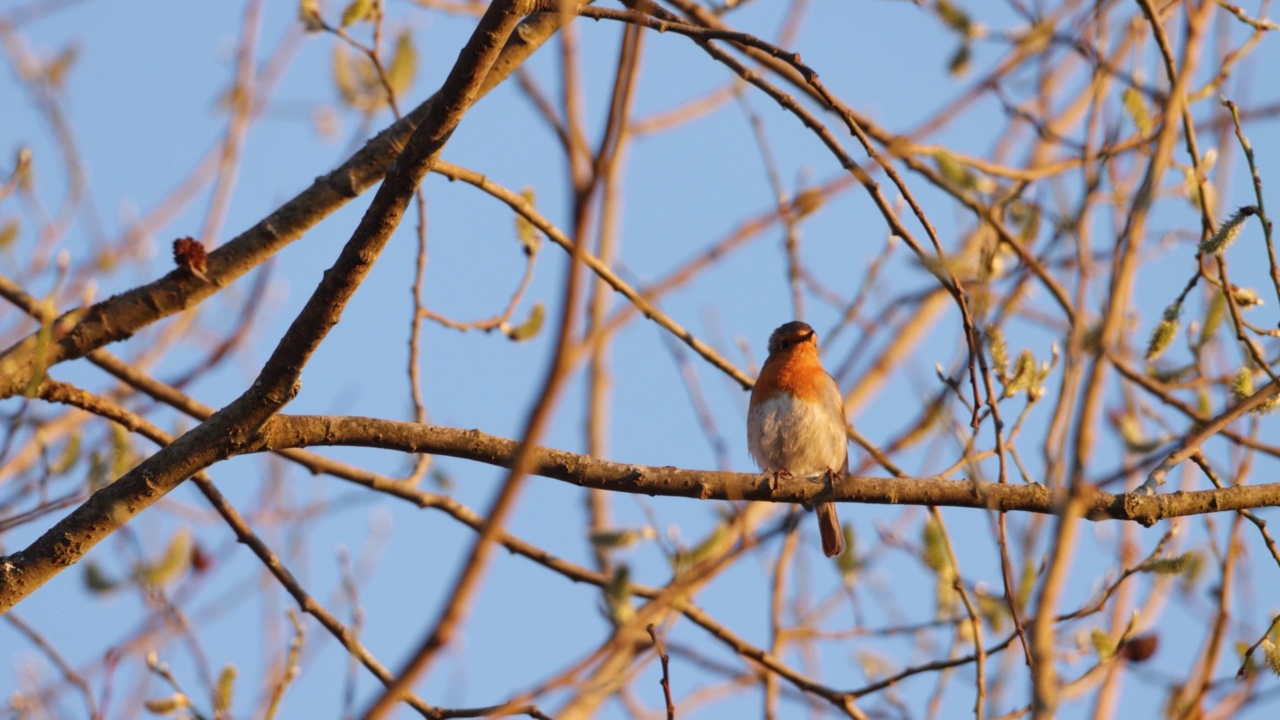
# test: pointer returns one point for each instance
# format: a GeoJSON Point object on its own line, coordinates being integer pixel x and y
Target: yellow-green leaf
{"type": "Point", "coordinates": [309, 15]}
{"type": "Point", "coordinates": [1102, 644]}
{"type": "Point", "coordinates": [953, 171]}
{"type": "Point", "coordinates": [168, 705]}
{"type": "Point", "coordinates": [344, 77]}
{"type": "Point", "coordinates": [1214, 314]}
{"type": "Point", "coordinates": [8, 232]}
{"type": "Point", "coordinates": [1168, 564]}
{"type": "Point", "coordinates": [121, 452]}
{"type": "Point", "coordinates": [525, 230]}
{"type": "Point", "coordinates": [621, 538]}
{"type": "Point", "coordinates": [617, 596]}
{"type": "Point", "coordinates": [935, 551]}
{"type": "Point", "coordinates": [848, 562]}
{"type": "Point", "coordinates": [404, 64]}
{"type": "Point", "coordinates": [222, 695]}
{"type": "Point", "coordinates": [999, 351]}
{"type": "Point", "coordinates": [171, 565]}
{"type": "Point", "coordinates": [1135, 105]}
{"type": "Point", "coordinates": [56, 71]}
{"type": "Point", "coordinates": [1036, 38]}
{"type": "Point", "coordinates": [96, 581]}
{"type": "Point", "coordinates": [955, 18]}
{"type": "Point", "coordinates": [807, 202]}
{"type": "Point", "coordinates": [69, 457]}
{"type": "Point", "coordinates": [713, 543]}
{"type": "Point", "coordinates": [960, 61]}
{"type": "Point", "coordinates": [530, 327]}
{"type": "Point", "coordinates": [357, 11]}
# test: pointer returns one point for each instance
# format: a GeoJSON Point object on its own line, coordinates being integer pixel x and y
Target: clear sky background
{"type": "Point", "coordinates": [142, 102]}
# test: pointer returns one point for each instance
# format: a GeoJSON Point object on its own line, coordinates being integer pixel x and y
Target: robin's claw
{"type": "Point", "coordinates": [775, 476]}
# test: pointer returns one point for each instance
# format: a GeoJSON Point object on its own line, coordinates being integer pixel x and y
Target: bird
{"type": "Point", "coordinates": [795, 420]}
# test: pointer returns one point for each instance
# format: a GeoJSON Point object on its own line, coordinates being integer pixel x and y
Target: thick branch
{"type": "Point", "coordinates": [291, 431]}
{"type": "Point", "coordinates": [228, 431]}
{"type": "Point", "coordinates": [120, 316]}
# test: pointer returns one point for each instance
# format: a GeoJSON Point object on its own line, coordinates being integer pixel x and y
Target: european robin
{"type": "Point", "coordinates": [795, 424]}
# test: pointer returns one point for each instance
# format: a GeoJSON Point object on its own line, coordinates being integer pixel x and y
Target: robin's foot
{"type": "Point", "coordinates": [830, 478]}
{"type": "Point", "coordinates": [775, 476]}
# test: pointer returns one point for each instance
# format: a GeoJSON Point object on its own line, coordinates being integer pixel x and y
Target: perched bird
{"type": "Point", "coordinates": [795, 424]}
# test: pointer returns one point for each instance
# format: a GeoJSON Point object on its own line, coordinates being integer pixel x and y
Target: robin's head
{"type": "Point", "coordinates": [790, 335]}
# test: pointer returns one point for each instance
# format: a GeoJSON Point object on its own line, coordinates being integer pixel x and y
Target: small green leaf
{"type": "Point", "coordinates": [955, 18]}
{"type": "Point", "coordinates": [621, 538]}
{"type": "Point", "coordinates": [309, 15]}
{"type": "Point", "coordinates": [1102, 644]}
{"type": "Point", "coordinates": [1026, 216]}
{"type": "Point", "coordinates": [935, 551]}
{"type": "Point", "coordinates": [848, 561]}
{"type": "Point", "coordinates": [1250, 662]}
{"type": "Point", "coordinates": [8, 232]}
{"type": "Point", "coordinates": [171, 565]}
{"type": "Point", "coordinates": [404, 64]}
{"type": "Point", "coordinates": [1168, 564]}
{"type": "Point", "coordinates": [357, 80]}
{"type": "Point", "coordinates": [1136, 106]}
{"type": "Point", "coordinates": [44, 337]}
{"type": "Point", "coordinates": [993, 610]}
{"type": "Point", "coordinates": [121, 452]}
{"type": "Point", "coordinates": [1135, 440]}
{"type": "Point", "coordinates": [99, 471]}
{"type": "Point", "coordinates": [222, 695]}
{"type": "Point", "coordinates": [953, 171]}
{"type": "Point", "coordinates": [1214, 314]}
{"type": "Point", "coordinates": [69, 457]}
{"type": "Point", "coordinates": [807, 202]}
{"type": "Point", "coordinates": [1195, 182]}
{"type": "Point", "coordinates": [712, 544]}
{"type": "Point", "coordinates": [960, 61]}
{"type": "Point", "coordinates": [1027, 583]}
{"type": "Point", "coordinates": [96, 581]}
{"type": "Point", "coordinates": [1192, 572]}
{"type": "Point", "coordinates": [617, 596]}
{"type": "Point", "coordinates": [1036, 38]}
{"type": "Point", "coordinates": [55, 72]}
{"type": "Point", "coordinates": [167, 706]}
{"type": "Point", "coordinates": [999, 352]}
{"type": "Point", "coordinates": [1165, 332]}
{"type": "Point", "coordinates": [343, 77]}
{"type": "Point", "coordinates": [530, 327]}
{"type": "Point", "coordinates": [357, 11]}
{"type": "Point", "coordinates": [525, 230]}
{"type": "Point", "coordinates": [1161, 338]}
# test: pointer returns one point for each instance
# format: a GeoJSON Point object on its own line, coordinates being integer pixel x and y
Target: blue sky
{"type": "Point", "coordinates": [142, 103]}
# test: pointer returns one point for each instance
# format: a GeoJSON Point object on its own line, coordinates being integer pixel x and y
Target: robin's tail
{"type": "Point", "coordinates": [829, 528]}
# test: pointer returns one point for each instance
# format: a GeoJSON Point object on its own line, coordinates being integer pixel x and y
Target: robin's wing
{"type": "Point", "coordinates": [833, 403]}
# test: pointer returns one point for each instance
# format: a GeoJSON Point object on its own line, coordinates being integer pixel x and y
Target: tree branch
{"type": "Point", "coordinates": [228, 431]}
{"type": "Point", "coordinates": [292, 431]}
{"type": "Point", "coordinates": [120, 316]}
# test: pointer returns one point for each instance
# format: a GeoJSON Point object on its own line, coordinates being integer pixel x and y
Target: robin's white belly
{"type": "Point", "coordinates": [800, 437]}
